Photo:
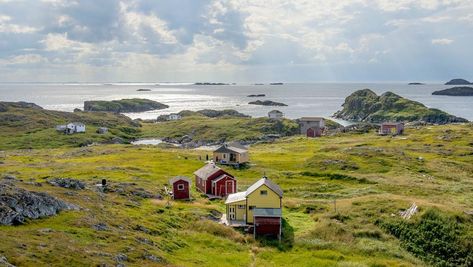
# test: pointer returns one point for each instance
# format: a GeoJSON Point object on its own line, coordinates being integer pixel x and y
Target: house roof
{"type": "Point", "coordinates": [391, 123]}
{"type": "Point", "coordinates": [207, 171]}
{"type": "Point", "coordinates": [311, 119]}
{"type": "Point", "coordinates": [177, 178]}
{"type": "Point", "coordinates": [236, 197]}
{"type": "Point", "coordinates": [77, 123]}
{"type": "Point", "coordinates": [267, 212]}
{"type": "Point", "coordinates": [221, 177]}
{"type": "Point", "coordinates": [228, 148]}
{"type": "Point", "coordinates": [268, 183]}
{"type": "Point", "coordinates": [275, 111]}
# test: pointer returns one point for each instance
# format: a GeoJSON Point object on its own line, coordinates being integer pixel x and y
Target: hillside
{"type": "Point", "coordinates": [123, 105]}
{"type": "Point", "coordinates": [456, 91]}
{"type": "Point", "coordinates": [365, 106]}
{"type": "Point", "coordinates": [201, 129]}
{"type": "Point", "coordinates": [372, 179]}
{"type": "Point", "coordinates": [26, 125]}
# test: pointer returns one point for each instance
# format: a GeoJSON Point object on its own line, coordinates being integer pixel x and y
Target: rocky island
{"type": "Point", "coordinates": [267, 103]}
{"type": "Point", "coordinates": [143, 90]}
{"type": "Point", "coordinates": [457, 82]}
{"type": "Point", "coordinates": [416, 83]}
{"type": "Point", "coordinates": [124, 105]}
{"type": "Point", "coordinates": [256, 95]}
{"type": "Point", "coordinates": [456, 91]}
{"type": "Point", "coordinates": [365, 106]}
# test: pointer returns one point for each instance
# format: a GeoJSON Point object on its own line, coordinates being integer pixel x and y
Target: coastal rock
{"type": "Point", "coordinates": [17, 205]}
{"type": "Point", "coordinates": [458, 82]}
{"type": "Point", "coordinates": [266, 103]}
{"type": "Point", "coordinates": [221, 113]}
{"type": "Point", "coordinates": [3, 107]}
{"type": "Point", "coordinates": [365, 106]}
{"type": "Point", "coordinates": [124, 105]}
{"type": "Point", "coordinates": [456, 91]}
{"type": "Point", "coordinates": [67, 183]}
{"type": "Point", "coordinates": [415, 83]}
{"type": "Point", "coordinates": [4, 262]}
{"type": "Point", "coordinates": [257, 95]}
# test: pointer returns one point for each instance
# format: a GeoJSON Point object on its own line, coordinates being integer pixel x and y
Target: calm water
{"type": "Point", "coordinates": [316, 99]}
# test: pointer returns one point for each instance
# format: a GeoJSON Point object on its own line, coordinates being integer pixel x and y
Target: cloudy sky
{"type": "Point", "coordinates": [236, 40]}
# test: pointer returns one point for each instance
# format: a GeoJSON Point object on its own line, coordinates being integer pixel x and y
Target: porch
{"type": "Point", "coordinates": [232, 223]}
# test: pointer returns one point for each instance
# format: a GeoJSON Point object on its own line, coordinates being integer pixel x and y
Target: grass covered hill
{"type": "Point", "coordinates": [26, 125]}
{"type": "Point", "coordinates": [365, 106]}
{"type": "Point", "coordinates": [372, 178]}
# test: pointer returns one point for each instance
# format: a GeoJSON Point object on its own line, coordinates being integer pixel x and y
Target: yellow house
{"type": "Point", "coordinates": [260, 206]}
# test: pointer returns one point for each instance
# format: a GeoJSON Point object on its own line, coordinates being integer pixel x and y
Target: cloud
{"type": "Point", "coordinates": [168, 39]}
{"type": "Point", "coordinates": [442, 41]}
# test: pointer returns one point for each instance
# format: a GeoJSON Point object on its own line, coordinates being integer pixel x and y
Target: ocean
{"type": "Point", "coordinates": [303, 99]}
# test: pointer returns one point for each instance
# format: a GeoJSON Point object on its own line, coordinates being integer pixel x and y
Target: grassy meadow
{"type": "Point", "coordinates": [342, 199]}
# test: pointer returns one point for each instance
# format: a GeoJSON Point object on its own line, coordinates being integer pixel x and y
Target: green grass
{"type": "Point", "coordinates": [370, 178]}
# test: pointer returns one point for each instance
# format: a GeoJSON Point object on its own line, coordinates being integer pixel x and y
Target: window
{"type": "Point", "coordinates": [252, 207]}
{"type": "Point", "coordinates": [263, 192]}
{"type": "Point", "coordinates": [224, 156]}
{"type": "Point", "coordinates": [241, 206]}
{"type": "Point", "coordinates": [180, 187]}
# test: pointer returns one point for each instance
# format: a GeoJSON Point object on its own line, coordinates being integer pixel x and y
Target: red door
{"type": "Point", "coordinates": [310, 132]}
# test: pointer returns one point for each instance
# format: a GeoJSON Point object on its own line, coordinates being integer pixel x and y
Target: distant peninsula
{"type": "Point", "coordinates": [416, 83]}
{"type": "Point", "coordinates": [458, 82]}
{"type": "Point", "coordinates": [207, 83]}
{"type": "Point", "coordinates": [267, 103]}
{"type": "Point", "coordinates": [124, 105]}
{"type": "Point", "coordinates": [257, 95]}
{"type": "Point", "coordinates": [456, 91]}
{"type": "Point", "coordinates": [365, 106]}
{"type": "Point", "coordinates": [276, 84]}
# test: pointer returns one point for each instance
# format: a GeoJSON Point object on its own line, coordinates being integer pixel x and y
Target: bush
{"type": "Point", "coordinates": [436, 238]}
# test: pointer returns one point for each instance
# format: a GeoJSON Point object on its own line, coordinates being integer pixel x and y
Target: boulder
{"type": "Point", "coordinates": [17, 205]}
{"type": "Point", "coordinates": [67, 183]}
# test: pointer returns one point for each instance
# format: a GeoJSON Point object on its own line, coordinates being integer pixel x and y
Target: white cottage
{"type": "Point", "coordinates": [75, 127]}
{"type": "Point", "coordinates": [275, 114]}
{"type": "Point", "coordinates": [174, 117]}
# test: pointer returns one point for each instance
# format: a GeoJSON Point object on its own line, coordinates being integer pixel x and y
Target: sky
{"type": "Point", "coordinates": [235, 40]}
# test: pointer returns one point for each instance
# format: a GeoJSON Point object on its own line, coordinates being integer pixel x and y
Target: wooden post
{"type": "Point", "coordinates": [335, 205]}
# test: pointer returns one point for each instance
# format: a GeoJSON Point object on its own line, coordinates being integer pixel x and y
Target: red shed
{"type": "Point", "coordinates": [267, 222]}
{"type": "Point", "coordinates": [212, 180]}
{"type": "Point", "coordinates": [180, 187]}
{"type": "Point", "coordinates": [393, 128]}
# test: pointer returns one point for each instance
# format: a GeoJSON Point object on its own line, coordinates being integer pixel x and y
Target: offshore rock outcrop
{"type": "Point", "coordinates": [123, 105]}
{"type": "Point", "coordinates": [456, 91]}
{"type": "Point", "coordinates": [366, 106]}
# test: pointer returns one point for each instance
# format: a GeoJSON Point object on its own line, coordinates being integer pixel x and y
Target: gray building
{"type": "Point", "coordinates": [312, 126]}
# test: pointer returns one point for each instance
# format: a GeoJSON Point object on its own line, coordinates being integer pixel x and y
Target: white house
{"type": "Point", "coordinates": [75, 127]}
{"type": "Point", "coordinates": [275, 114]}
{"type": "Point", "coordinates": [174, 117]}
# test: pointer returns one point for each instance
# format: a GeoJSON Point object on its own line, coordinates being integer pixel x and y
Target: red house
{"type": "Point", "coordinates": [180, 187]}
{"type": "Point", "coordinates": [212, 180]}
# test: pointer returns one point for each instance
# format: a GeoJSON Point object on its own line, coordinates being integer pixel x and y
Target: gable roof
{"type": "Point", "coordinates": [275, 111]}
{"type": "Point", "coordinates": [208, 170]}
{"type": "Point", "coordinates": [228, 148]}
{"type": "Point", "coordinates": [268, 183]}
{"type": "Point", "coordinates": [221, 177]}
{"type": "Point", "coordinates": [236, 197]}
{"type": "Point", "coordinates": [177, 178]}
{"type": "Point", "coordinates": [311, 119]}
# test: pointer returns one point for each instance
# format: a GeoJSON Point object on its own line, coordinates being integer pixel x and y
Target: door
{"type": "Point", "coordinates": [310, 132]}
{"type": "Point", "coordinates": [229, 187]}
